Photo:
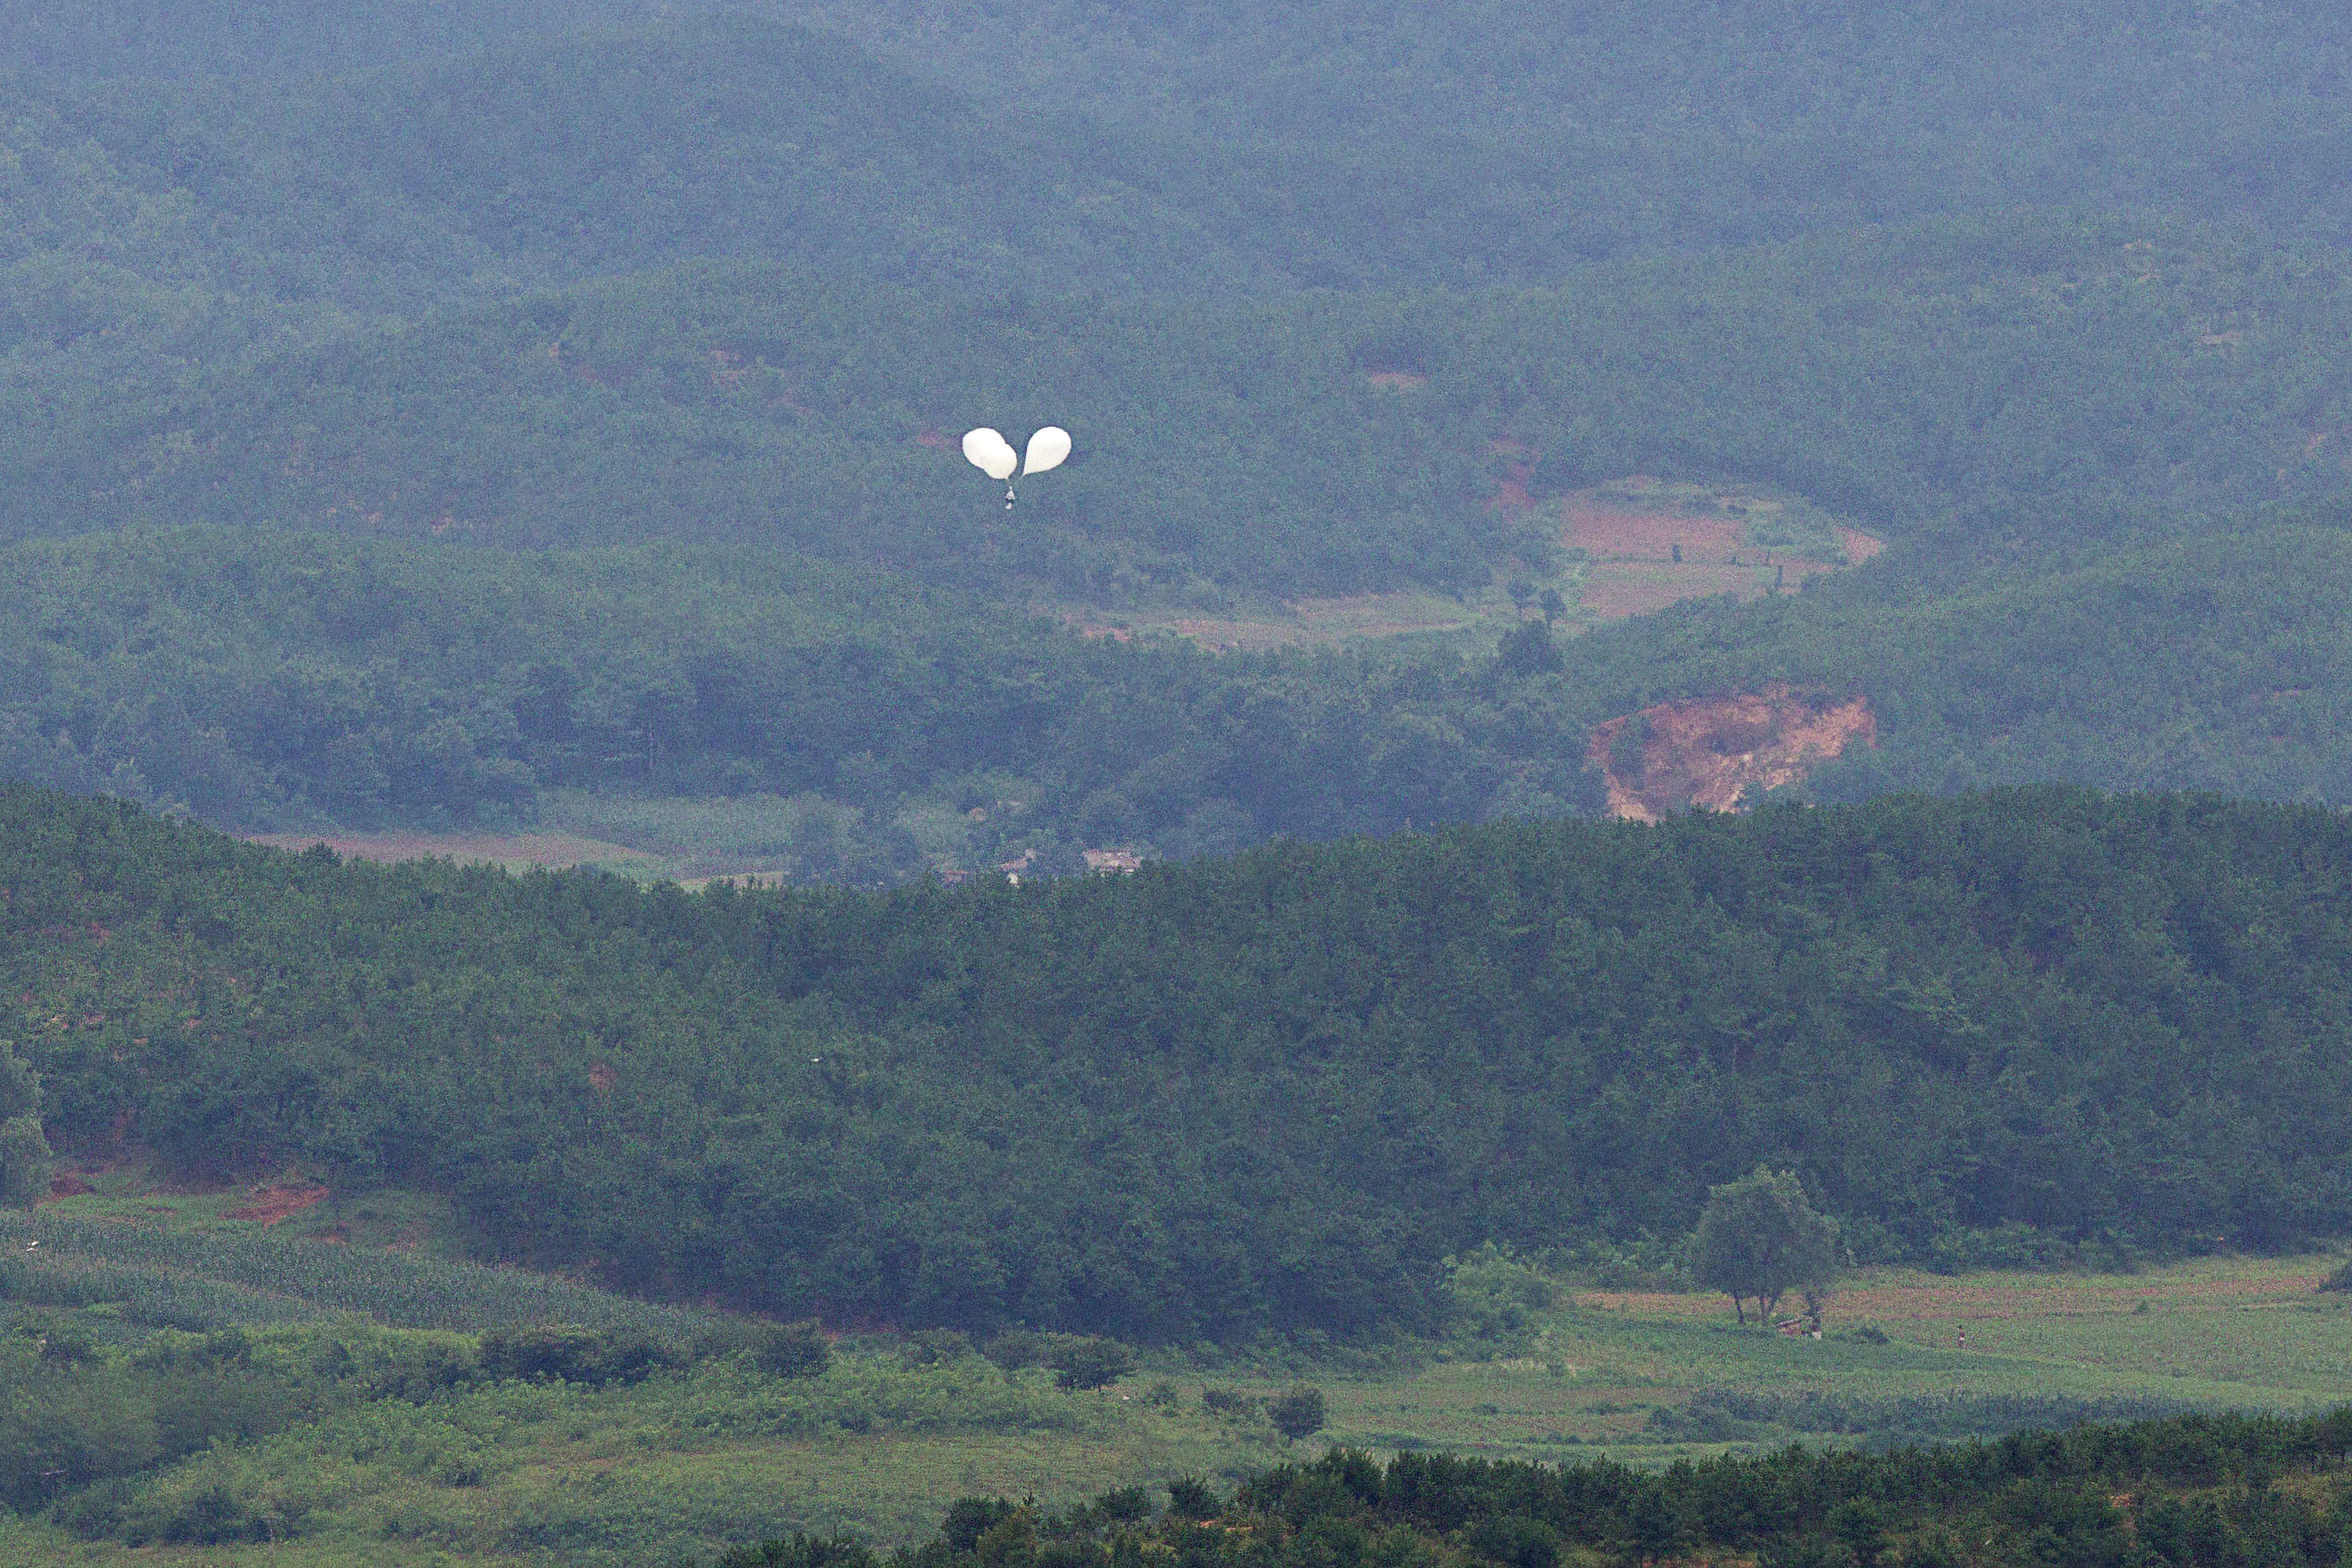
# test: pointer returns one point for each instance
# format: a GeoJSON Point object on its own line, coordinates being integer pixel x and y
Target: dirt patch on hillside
{"type": "Point", "coordinates": [272, 1204]}
{"type": "Point", "coordinates": [1614, 591]}
{"type": "Point", "coordinates": [1617, 533]}
{"type": "Point", "coordinates": [1644, 554]}
{"type": "Point", "coordinates": [1859, 546]}
{"type": "Point", "coordinates": [1708, 751]}
{"type": "Point", "coordinates": [1647, 558]}
{"type": "Point", "coordinates": [1514, 494]}
{"type": "Point", "coordinates": [554, 851]}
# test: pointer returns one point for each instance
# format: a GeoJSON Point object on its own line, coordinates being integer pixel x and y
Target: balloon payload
{"type": "Point", "coordinates": [992, 455]}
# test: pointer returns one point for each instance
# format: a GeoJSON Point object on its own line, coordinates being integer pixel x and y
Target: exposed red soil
{"type": "Point", "coordinates": [1086, 626]}
{"type": "Point", "coordinates": [1631, 550]}
{"type": "Point", "coordinates": [601, 1078]}
{"type": "Point", "coordinates": [1514, 496]}
{"type": "Point", "coordinates": [1396, 380]}
{"type": "Point", "coordinates": [272, 1205]}
{"type": "Point", "coordinates": [1613, 532]}
{"type": "Point", "coordinates": [1615, 590]}
{"type": "Point", "coordinates": [1708, 751]}
{"type": "Point", "coordinates": [937, 440]}
{"type": "Point", "coordinates": [1859, 546]}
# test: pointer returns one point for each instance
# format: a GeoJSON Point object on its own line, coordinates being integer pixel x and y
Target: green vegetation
{"type": "Point", "coordinates": [2152, 617]}
{"type": "Point", "coordinates": [827, 723]}
{"type": "Point", "coordinates": [2190, 1489]}
{"type": "Point", "coordinates": [2024, 1025]}
{"type": "Point", "coordinates": [425, 417]}
{"type": "Point", "coordinates": [1759, 1236]}
{"type": "Point", "coordinates": [514, 289]}
{"type": "Point", "coordinates": [333, 1428]}
{"type": "Point", "coordinates": [24, 1148]}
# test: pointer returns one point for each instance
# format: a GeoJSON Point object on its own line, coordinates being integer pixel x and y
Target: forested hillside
{"type": "Point", "coordinates": [1343, 300]}
{"type": "Point", "coordinates": [276, 683]}
{"type": "Point", "coordinates": [2032, 383]}
{"type": "Point", "coordinates": [1272, 1091]}
{"type": "Point", "coordinates": [267, 682]}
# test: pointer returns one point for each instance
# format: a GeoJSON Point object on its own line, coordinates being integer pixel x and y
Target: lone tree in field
{"type": "Point", "coordinates": [1298, 1412]}
{"type": "Point", "coordinates": [24, 1152]}
{"type": "Point", "coordinates": [1759, 1236]}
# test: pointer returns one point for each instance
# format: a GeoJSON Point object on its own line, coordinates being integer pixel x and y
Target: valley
{"type": "Point", "coordinates": [1637, 858]}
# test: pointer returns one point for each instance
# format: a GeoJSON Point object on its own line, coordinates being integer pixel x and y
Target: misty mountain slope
{"type": "Point", "coordinates": [2026, 384]}
{"type": "Point", "coordinates": [1746, 121]}
{"type": "Point", "coordinates": [179, 39]}
{"type": "Point", "coordinates": [1317, 289]}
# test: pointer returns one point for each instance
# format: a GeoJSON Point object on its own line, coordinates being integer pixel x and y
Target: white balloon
{"type": "Point", "coordinates": [990, 453]}
{"type": "Point", "coordinates": [1048, 449]}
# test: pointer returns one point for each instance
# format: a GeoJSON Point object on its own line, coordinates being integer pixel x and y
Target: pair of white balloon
{"type": "Point", "coordinates": [992, 455]}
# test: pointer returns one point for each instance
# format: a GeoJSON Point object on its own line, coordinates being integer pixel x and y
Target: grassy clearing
{"type": "Point", "coordinates": [1610, 1370]}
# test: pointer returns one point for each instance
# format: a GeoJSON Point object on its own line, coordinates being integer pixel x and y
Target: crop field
{"type": "Point", "coordinates": [202, 1278]}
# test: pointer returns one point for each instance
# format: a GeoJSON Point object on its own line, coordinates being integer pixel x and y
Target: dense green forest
{"type": "Point", "coordinates": [2190, 1491]}
{"type": "Point", "coordinates": [1268, 1092]}
{"type": "Point", "coordinates": [259, 681]}
{"type": "Point", "coordinates": [2057, 318]}
{"type": "Point", "coordinates": [2016, 384]}
{"type": "Point", "coordinates": [276, 683]}
{"type": "Point", "coordinates": [2116, 513]}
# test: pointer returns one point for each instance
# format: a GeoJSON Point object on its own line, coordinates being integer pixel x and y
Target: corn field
{"type": "Point", "coordinates": [205, 1279]}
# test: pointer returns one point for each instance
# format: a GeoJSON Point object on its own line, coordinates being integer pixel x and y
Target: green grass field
{"type": "Point", "coordinates": [673, 1467]}
{"type": "Point", "coordinates": [1598, 1372]}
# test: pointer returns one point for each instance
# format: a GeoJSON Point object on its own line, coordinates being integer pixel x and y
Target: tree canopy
{"type": "Point", "coordinates": [1758, 1236]}
{"type": "Point", "coordinates": [1274, 1091]}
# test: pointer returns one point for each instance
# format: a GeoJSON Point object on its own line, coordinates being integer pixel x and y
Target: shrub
{"type": "Point", "coordinates": [932, 1346]}
{"type": "Point", "coordinates": [1493, 1292]}
{"type": "Point", "coordinates": [970, 1518]}
{"type": "Point", "coordinates": [559, 1351]}
{"type": "Point", "coordinates": [1189, 1497]}
{"type": "Point", "coordinates": [1087, 1362]}
{"type": "Point", "coordinates": [800, 1551]}
{"type": "Point", "coordinates": [794, 1350]}
{"type": "Point", "coordinates": [1228, 1402]}
{"type": "Point", "coordinates": [1014, 1348]}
